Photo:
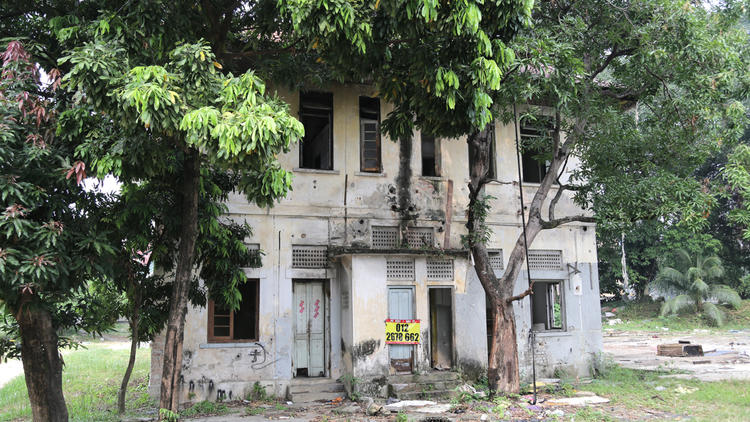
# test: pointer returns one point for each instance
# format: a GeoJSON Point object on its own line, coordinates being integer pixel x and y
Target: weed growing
{"type": "Point", "coordinates": [588, 414]}
{"type": "Point", "coordinates": [703, 401]}
{"type": "Point", "coordinates": [205, 408]}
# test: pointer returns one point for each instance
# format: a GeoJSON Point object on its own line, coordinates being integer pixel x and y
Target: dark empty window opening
{"type": "Point", "coordinates": [547, 306]}
{"type": "Point", "coordinates": [240, 325]}
{"type": "Point", "coordinates": [487, 135]}
{"type": "Point", "coordinates": [316, 115]}
{"type": "Point", "coordinates": [536, 140]}
{"type": "Point", "coordinates": [369, 134]}
{"type": "Point", "coordinates": [430, 156]}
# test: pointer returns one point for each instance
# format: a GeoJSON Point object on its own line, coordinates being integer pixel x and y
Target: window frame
{"type": "Point", "coordinates": [362, 121]}
{"type": "Point", "coordinates": [211, 338]}
{"type": "Point", "coordinates": [315, 110]}
{"type": "Point", "coordinates": [489, 130]}
{"type": "Point", "coordinates": [542, 168]}
{"type": "Point", "coordinates": [436, 155]}
{"type": "Point", "coordinates": [547, 326]}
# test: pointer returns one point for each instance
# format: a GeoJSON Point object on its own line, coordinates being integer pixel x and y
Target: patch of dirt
{"type": "Point", "coordinates": [727, 355]}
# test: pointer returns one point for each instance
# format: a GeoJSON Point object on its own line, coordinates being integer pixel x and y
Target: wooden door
{"type": "Point", "coordinates": [401, 306]}
{"type": "Point", "coordinates": [309, 328]}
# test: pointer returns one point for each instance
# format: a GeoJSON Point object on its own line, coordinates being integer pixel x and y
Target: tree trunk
{"type": "Point", "coordinates": [626, 287]}
{"type": "Point", "coordinates": [503, 364]}
{"type": "Point", "coordinates": [42, 364]}
{"type": "Point", "coordinates": [172, 364]}
{"type": "Point", "coordinates": [502, 371]}
{"type": "Point", "coordinates": [134, 325]}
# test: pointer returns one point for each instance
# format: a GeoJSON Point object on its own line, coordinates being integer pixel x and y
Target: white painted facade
{"type": "Point", "coordinates": [339, 209]}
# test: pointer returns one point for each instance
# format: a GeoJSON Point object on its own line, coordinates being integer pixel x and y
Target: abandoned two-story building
{"type": "Point", "coordinates": [339, 259]}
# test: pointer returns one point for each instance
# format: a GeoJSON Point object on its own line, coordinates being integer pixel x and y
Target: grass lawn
{"type": "Point", "coordinates": [91, 378]}
{"type": "Point", "coordinates": [637, 390]}
{"type": "Point", "coordinates": [644, 316]}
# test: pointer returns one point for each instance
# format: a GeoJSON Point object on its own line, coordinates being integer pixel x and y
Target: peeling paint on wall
{"type": "Point", "coordinates": [364, 349]}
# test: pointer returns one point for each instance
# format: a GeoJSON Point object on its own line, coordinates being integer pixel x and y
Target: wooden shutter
{"type": "Point", "coordinates": [220, 324]}
{"type": "Point", "coordinates": [369, 140]}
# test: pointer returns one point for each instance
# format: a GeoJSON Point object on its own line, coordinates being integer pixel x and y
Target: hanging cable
{"type": "Point", "coordinates": [532, 335]}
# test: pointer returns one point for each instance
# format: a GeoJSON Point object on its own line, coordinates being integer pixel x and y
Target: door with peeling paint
{"type": "Point", "coordinates": [309, 328]}
{"type": "Point", "coordinates": [401, 306]}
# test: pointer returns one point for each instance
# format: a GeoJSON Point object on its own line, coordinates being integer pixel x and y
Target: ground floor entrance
{"type": "Point", "coordinates": [441, 328]}
{"type": "Point", "coordinates": [310, 328]}
{"type": "Point", "coordinates": [401, 306]}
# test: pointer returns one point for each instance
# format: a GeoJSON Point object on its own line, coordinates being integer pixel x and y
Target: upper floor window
{"type": "Point", "coordinates": [487, 135]}
{"type": "Point", "coordinates": [316, 115]}
{"type": "Point", "coordinates": [536, 139]}
{"type": "Point", "coordinates": [430, 156]}
{"type": "Point", "coordinates": [369, 135]}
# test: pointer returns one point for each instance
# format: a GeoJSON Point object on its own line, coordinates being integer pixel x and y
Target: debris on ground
{"type": "Point", "coordinates": [579, 401]}
{"type": "Point", "coordinates": [468, 388]}
{"type": "Point", "coordinates": [680, 349]}
{"type": "Point", "coordinates": [408, 405]}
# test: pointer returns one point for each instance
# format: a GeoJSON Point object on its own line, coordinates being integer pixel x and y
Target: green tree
{"type": "Point", "coordinates": [439, 65]}
{"type": "Point", "coordinates": [144, 85]}
{"type": "Point", "coordinates": [647, 242]}
{"type": "Point", "coordinates": [51, 244]}
{"type": "Point", "coordinates": [641, 93]}
{"type": "Point", "coordinates": [180, 107]}
{"type": "Point", "coordinates": [146, 230]}
{"type": "Point", "coordinates": [692, 279]}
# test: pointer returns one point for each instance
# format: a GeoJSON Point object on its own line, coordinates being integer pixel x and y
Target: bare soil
{"type": "Point", "coordinates": [727, 354]}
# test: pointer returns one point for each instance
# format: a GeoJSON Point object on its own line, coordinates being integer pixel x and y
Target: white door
{"type": "Point", "coordinates": [309, 328]}
{"type": "Point", "coordinates": [401, 306]}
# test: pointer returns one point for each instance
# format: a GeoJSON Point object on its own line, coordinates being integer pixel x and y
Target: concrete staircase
{"type": "Point", "coordinates": [308, 390]}
{"type": "Point", "coordinates": [430, 385]}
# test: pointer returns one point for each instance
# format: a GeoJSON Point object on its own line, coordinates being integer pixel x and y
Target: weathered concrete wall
{"type": "Point", "coordinates": [216, 370]}
{"type": "Point", "coordinates": [339, 208]}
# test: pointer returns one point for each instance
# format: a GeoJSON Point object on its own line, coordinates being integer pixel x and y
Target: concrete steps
{"type": "Point", "coordinates": [430, 385]}
{"type": "Point", "coordinates": [315, 390]}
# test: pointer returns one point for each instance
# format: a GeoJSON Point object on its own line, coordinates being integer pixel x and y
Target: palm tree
{"type": "Point", "coordinates": [693, 280]}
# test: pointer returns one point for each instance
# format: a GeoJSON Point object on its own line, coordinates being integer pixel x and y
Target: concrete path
{"type": "Point", "coordinates": [727, 354]}
{"type": "Point", "coordinates": [9, 370]}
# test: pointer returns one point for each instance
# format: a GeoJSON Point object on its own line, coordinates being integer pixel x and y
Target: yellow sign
{"type": "Point", "coordinates": [402, 331]}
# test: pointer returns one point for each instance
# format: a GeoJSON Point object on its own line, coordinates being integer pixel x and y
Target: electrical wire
{"type": "Point", "coordinates": [532, 335]}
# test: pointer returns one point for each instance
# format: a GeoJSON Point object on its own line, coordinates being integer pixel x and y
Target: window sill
{"type": "Point", "coordinates": [552, 333]}
{"type": "Point", "coordinates": [435, 178]}
{"type": "Point", "coordinates": [369, 174]}
{"type": "Point", "coordinates": [227, 345]}
{"type": "Point", "coordinates": [316, 171]}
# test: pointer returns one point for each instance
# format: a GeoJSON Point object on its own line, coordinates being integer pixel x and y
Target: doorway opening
{"type": "Point", "coordinates": [441, 328]}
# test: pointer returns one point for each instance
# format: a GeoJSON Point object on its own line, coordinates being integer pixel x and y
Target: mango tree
{"type": "Point", "coordinates": [180, 113]}
{"type": "Point", "coordinates": [50, 242]}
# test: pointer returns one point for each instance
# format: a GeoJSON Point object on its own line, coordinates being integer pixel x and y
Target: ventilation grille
{"type": "Point", "coordinates": [309, 257]}
{"type": "Point", "coordinates": [384, 237]}
{"type": "Point", "coordinates": [496, 260]}
{"type": "Point", "coordinates": [440, 269]}
{"type": "Point", "coordinates": [399, 269]}
{"type": "Point", "coordinates": [420, 237]}
{"type": "Point", "coordinates": [545, 260]}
